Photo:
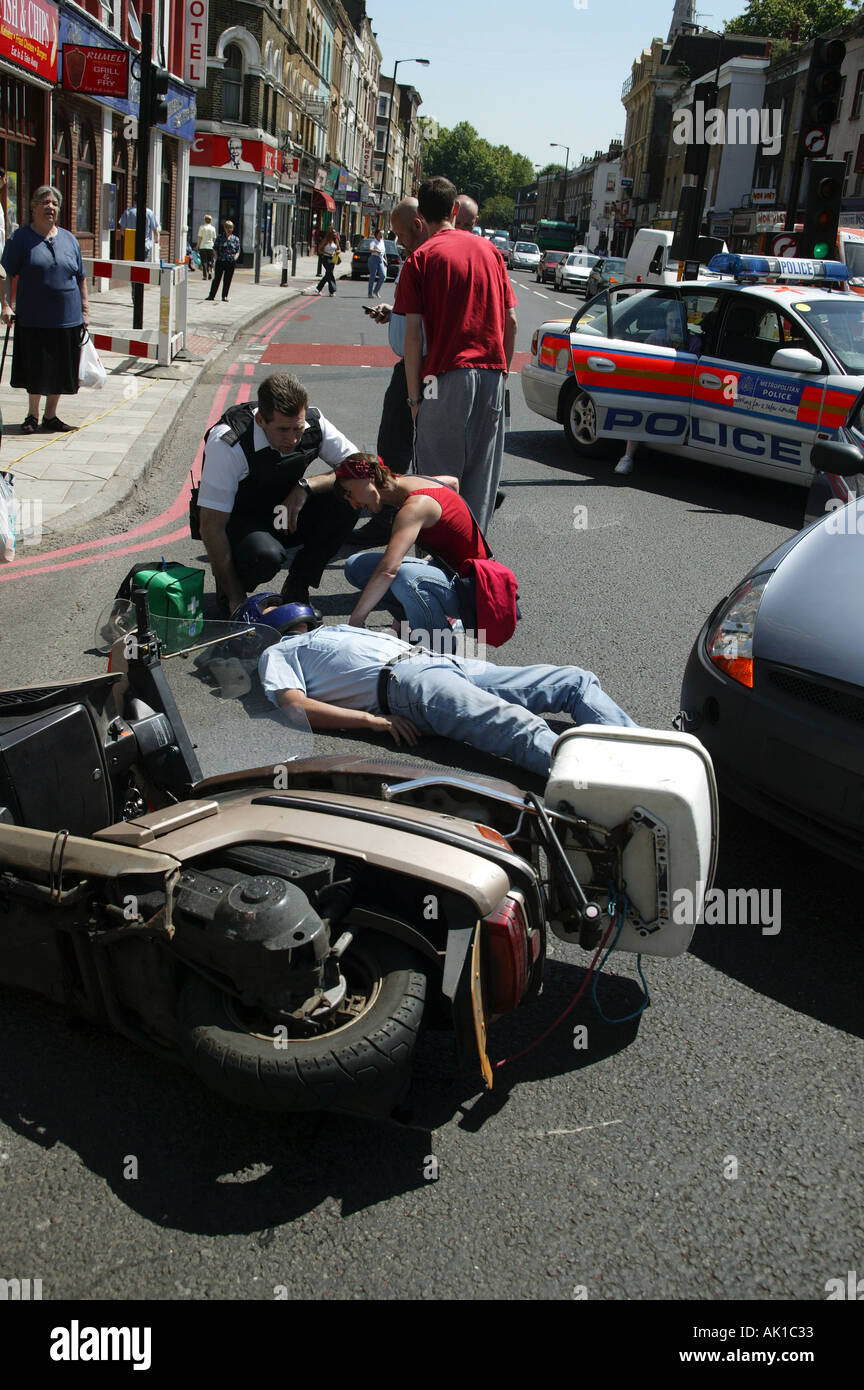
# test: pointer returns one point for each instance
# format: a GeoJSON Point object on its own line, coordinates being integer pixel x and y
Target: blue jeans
{"type": "Point", "coordinates": [497, 708]}
{"type": "Point", "coordinates": [421, 593]}
{"type": "Point", "coordinates": [377, 274]}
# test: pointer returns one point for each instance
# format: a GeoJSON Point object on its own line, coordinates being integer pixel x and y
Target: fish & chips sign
{"type": "Point", "coordinates": [29, 35]}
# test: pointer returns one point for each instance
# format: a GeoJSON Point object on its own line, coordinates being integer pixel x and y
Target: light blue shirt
{"type": "Point", "coordinates": [396, 329]}
{"type": "Point", "coordinates": [339, 665]}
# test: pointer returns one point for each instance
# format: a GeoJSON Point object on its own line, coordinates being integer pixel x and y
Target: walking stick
{"type": "Point", "coordinates": [6, 345]}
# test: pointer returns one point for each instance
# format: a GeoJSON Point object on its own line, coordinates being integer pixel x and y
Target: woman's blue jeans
{"type": "Point", "coordinates": [377, 274]}
{"type": "Point", "coordinates": [420, 592]}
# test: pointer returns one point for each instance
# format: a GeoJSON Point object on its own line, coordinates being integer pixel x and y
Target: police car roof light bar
{"type": "Point", "coordinates": [783, 267]}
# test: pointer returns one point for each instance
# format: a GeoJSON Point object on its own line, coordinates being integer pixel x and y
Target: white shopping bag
{"type": "Point", "coordinates": [7, 521]}
{"type": "Point", "coordinates": [91, 373]}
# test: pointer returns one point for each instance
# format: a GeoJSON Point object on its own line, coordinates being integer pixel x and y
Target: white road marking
{"type": "Point", "coordinates": [542, 1133]}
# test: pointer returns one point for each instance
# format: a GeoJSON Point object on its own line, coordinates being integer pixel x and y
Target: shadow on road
{"type": "Point", "coordinates": [187, 1160]}
{"type": "Point", "coordinates": [703, 487]}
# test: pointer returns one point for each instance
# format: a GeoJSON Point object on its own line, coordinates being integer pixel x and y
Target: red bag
{"type": "Point", "coordinates": [495, 595]}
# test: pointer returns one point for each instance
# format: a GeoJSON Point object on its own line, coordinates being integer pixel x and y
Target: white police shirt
{"type": "Point", "coordinates": [225, 465]}
{"type": "Point", "coordinates": [339, 665]}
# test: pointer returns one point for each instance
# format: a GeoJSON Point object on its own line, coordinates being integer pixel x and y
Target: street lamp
{"type": "Point", "coordinates": [425, 63]}
{"type": "Point", "coordinates": [553, 145]}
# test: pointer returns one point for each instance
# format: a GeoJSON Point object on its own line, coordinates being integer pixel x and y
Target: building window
{"type": "Point", "coordinates": [165, 200]}
{"type": "Point", "coordinates": [61, 165]}
{"type": "Point", "coordinates": [856, 98]}
{"type": "Point", "coordinates": [232, 84]}
{"type": "Point", "coordinates": [847, 170]}
{"type": "Point", "coordinates": [86, 177]}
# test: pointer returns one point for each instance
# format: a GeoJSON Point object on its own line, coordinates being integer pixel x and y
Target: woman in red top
{"type": "Point", "coordinates": [430, 512]}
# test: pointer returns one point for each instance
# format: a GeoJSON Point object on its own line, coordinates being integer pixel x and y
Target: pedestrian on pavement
{"type": "Point", "coordinates": [328, 250]}
{"type": "Point", "coordinates": [255, 506]}
{"type": "Point", "coordinates": [377, 265]}
{"type": "Point", "coordinates": [206, 243]}
{"type": "Point", "coordinates": [227, 249]}
{"type": "Point", "coordinates": [151, 236]}
{"type": "Point", "coordinates": [428, 511]}
{"type": "Point", "coordinates": [50, 309]}
{"type": "Point", "coordinates": [458, 290]}
{"type": "Point", "coordinates": [467, 214]}
{"type": "Point", "coordinates": [346, 678]}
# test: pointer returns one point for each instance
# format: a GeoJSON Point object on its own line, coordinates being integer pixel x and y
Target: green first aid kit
{"type": "Point", "coordinates": [174, 592]}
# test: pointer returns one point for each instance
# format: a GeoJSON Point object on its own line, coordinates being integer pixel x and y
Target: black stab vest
{"type": "Point", "coordinates": [271, 474]}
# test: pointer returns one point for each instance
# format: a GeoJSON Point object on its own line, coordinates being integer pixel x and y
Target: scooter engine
{"type": "Point", "coordinates": [261, 933]}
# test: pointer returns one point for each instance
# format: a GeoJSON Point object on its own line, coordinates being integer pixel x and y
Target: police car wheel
{"type": "Point", "coordinates": [579, 418]}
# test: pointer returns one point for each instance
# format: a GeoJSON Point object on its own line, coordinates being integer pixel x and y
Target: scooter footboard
{"type": "Point", "coordinates": [642, 822]}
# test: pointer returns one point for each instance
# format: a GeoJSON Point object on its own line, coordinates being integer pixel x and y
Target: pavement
{"type": "Point", "coordinates": [65, 480]}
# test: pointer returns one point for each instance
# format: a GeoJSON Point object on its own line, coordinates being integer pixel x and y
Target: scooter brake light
{"type": "Point", "coordinates": [509, 954]}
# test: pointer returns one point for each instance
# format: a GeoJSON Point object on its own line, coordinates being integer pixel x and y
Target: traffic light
{"type": "Point", "coordinates": [824, 79]}
{"type": "Point", "coordinates": [822, 213]}
{"type": "Point", "coordinates": [158, 96]}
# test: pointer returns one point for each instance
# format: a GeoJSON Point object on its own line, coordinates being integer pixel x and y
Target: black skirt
{"type": "Point", "coordinates": [45, 360]}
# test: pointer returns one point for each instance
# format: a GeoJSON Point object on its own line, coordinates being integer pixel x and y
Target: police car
{"type": "Point", "coordinates": [745, 371]}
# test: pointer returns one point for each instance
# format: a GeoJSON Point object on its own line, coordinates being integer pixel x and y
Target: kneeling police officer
{"type": "Point", "coordinates": [254, 502]}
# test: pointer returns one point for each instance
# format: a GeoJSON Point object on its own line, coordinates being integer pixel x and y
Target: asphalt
{"type": "Point", "coordinates": [65, 480]}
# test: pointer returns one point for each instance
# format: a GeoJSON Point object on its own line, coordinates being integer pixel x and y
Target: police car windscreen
{"type": "Point", "coordinates": [840, 323]}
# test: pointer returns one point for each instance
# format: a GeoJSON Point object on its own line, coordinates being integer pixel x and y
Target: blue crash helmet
{"type": "Point", "coordinates": [282, 617]}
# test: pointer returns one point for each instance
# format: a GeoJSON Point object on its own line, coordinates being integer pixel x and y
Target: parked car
{"type": "Point", "coordinates": [572, 273]}
{"type": "Point", "coordinates": [360, 259]}
{"type": "Point", "coordinates": [755, 372]}
{"type": "Point", "coordinates": [548, 263]}
{"type": "Point", "coordinates": [525, 256]}
{"type": "Point", "coordinates": [774, 687]}
{"type": "Point", "coordinates": [609, 270]}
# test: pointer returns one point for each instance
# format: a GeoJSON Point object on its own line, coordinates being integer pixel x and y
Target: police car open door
{"type": "Point", "coordinates": [752, 409]}
{"type": "Point", "coordinates": [640, 374]}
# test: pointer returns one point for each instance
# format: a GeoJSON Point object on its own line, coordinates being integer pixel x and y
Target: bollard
{"type": "Point", "coordinates": [284, 280]}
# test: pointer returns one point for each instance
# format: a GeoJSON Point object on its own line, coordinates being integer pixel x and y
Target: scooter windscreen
{"type": "Point", "coordinates": [211, 670]}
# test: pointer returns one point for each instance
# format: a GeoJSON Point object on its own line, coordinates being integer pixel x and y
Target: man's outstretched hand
{"type": "Point", "coordinates": [401, 730]}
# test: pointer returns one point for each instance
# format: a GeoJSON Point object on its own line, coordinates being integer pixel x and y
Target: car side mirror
{"type": "Point", "coordinates": [796, 360]}
{"type": "Point", "coordinates": [837, 456]}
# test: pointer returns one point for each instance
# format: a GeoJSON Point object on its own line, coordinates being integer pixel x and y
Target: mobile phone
{"type": "Point", "coordinates": [367, 310]}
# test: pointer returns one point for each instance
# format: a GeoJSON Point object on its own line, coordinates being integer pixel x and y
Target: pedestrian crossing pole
{"type": "Point", "coordinates": [145, 62]}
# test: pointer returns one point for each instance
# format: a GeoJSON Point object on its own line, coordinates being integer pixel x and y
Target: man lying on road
{"type": "Point", "coordinates": [346, 677]}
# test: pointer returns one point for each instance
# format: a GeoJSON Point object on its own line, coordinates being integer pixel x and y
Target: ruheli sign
{"type": "Point", "coordinates": [195, 43]}
{"type": "Point", "coordinates": [29, 35]}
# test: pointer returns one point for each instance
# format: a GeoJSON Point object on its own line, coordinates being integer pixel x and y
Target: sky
{"type": "Point", "coordinates": [525, 73]}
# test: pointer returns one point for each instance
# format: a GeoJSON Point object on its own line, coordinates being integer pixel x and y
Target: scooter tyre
{"type": "Point", "coordinates": [363, 1068]}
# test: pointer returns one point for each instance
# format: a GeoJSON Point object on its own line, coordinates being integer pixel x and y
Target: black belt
{"type": "Point", "coordinates": [384, 680]}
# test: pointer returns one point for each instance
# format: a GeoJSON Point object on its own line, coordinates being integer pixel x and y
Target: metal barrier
{"type": "Point", "coordinates": [165, 342]}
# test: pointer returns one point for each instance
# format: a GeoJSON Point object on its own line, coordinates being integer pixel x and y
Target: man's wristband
{"type": "Point", "coordinates": [301, 482]}
{"type": "Point", "coordinates": [410, 402]}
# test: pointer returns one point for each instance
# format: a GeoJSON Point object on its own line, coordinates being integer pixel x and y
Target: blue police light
{"type": "Point", "coordinates": [786, 268]}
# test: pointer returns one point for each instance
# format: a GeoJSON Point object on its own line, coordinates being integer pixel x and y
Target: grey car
{"type": "Point", "coordinates": [774, 687]}
{"type": "Point", "coordinates": [609, 270]}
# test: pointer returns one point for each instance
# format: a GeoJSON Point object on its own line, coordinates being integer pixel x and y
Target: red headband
{"type": "Point", "coordinates": [357, 468]}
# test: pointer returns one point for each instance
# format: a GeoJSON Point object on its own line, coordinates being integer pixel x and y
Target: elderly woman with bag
{"type": "Point", "coordinates": [50, 309]}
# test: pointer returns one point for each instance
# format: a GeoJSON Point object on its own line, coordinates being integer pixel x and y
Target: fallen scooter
{"type": "Point", "coordinates": [177, 864]}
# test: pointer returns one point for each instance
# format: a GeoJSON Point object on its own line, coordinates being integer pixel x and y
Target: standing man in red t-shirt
{"type": "Point", "coordinates": [456, 286]}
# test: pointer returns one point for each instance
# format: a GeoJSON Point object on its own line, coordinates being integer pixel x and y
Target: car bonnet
{"type": "Point", "coordinates": [810, 614]}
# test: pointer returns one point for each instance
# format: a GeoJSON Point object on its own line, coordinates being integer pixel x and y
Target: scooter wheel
{"type": "Point", "coordinates": [361, 1067]}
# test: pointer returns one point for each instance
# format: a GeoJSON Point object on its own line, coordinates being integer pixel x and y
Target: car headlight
{"type": "Point", "coordinates": [729, 643]}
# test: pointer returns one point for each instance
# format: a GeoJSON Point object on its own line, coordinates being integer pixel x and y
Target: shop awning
{"type": "Point", "coordinates": [322, 200]}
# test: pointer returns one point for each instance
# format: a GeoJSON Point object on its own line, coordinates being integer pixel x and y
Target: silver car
{"type": "Point", "coordinates": [525, 256]}
{"type": "Point", "coordinates": [573, 272]}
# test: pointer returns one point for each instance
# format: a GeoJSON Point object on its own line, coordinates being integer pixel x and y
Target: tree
{"type": "Point", "coordinates": [498, 212]}
{"type": "Point", "coordinates": [476, 167]}
{"type": "Point", "coordinates": [778, 19]}
{"type": "Point", "coordinates": [556, 169]}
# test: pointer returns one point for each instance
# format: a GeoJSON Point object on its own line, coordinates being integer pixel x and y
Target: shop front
{"type": "Point", "coordinates": [29, 40]}
{"type": "Point", "coordinates": [229, 175]}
